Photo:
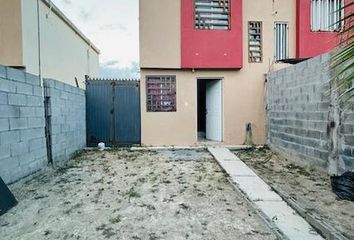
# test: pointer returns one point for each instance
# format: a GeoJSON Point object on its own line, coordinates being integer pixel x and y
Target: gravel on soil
{"type": "Point", "coordinates": [120, 194]}
{"type": "Point", "coordinates": [308, 184]}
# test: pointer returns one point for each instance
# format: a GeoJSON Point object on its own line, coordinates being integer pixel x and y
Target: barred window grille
{"type": "Point", "coordinates": [255, 42]}
{"type": "Point", "coordinates": [326, 15]}
{"type": "Point", "coordinates": [212, 14]}
{"type": "Point", "coordinates": [161, 93]}
{"type": "Point", "coordinates": [281, 41]}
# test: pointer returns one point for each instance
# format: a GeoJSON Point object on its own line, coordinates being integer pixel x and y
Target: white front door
{"type": "Point", "coordinates": [214, 110]}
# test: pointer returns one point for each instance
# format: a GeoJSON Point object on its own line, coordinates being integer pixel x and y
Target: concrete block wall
{"type": "Point", "coordinates": [346, 138]}
{"type": "Point", "coordinates": [22, 123]}
{"type": "Point", "coordinates": [67, 110]}
{"type": "Point", "coordinates": [300, 111]}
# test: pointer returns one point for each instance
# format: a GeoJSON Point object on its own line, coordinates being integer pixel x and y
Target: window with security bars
{"type": "Point", "coordinates": [255, 42]}
{"type": "Point", "coordinates": [326, 15]}
{"type": "Point", "coordinates": [161, 93]}
{"type": "Point", "coordinates": [281, 41]}
{"type": "Point", "coordinates": [212, 14]}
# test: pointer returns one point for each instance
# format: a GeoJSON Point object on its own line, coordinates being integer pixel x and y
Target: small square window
{"type": "Point", "coordinates": [161, 93]}
{"type": "Point", "coordinates": [212, 14]}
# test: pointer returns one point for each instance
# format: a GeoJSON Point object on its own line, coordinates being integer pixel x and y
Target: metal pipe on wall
{"type": "Point", "coordinates": [39, 45]}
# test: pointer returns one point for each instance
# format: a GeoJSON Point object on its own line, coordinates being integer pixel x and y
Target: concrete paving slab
{"type": "Point", "coordinates": [236, 168]}
{"type": "Point", "coordinates": [255, 188]}
{"type": "Point", "coordinates": [291, 224]}
{"type": "Point", "coordinates": [222, 153]}
{"type": "Point", "coordinates": [287, 220]}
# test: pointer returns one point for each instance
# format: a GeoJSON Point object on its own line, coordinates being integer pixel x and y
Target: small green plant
{"type": "Point", "coordinates": [64, 168]}
{"type": "Point", "coordinates": [131, 193]}
{"type": "Point", "coordinates": [142, 180]}
{"type": "Point", "coordinates": [115, 220]}
{"type": "Point", "coordinates": [78, 155]}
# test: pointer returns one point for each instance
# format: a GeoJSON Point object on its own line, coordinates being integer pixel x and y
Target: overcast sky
{"type": "Point", "coordinates": [112, 25]}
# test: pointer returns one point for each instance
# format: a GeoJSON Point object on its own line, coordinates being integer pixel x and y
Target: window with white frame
{"type": "Point", "coordinates": [326, 15]}
{"type": "Point", "coordinates": [212, 14]}
{"type": "Point", "coordinates": [281, 41]}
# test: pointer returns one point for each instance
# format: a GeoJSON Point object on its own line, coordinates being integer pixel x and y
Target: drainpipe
{"type": "Point", "coordinates": [39, 45]}
{"type": "Point", "coordinates": [88, 60]}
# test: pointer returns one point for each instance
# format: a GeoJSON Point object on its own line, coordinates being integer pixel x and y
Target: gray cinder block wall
{"type": "Point", "coordinates": [23, 118]}
{"type": "Point", "coordinates": [67, 112]}
{"type": "Point", "coordinates": [22, 135]}
{"type": "Point", "coordinates": [305, 119]}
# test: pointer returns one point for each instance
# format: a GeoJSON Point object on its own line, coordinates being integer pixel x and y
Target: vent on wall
{"type": "Point", "coordinates": [212, 14]}
{"type": "Point", "coordinates": [281, 41]}
{"type": "Point", "coordinates": [161, 93]}
{"type": "Point", "coordinates": [255, 42]}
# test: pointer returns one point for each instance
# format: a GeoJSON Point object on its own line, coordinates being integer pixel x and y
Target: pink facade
{"type": "Point", "coordinates": [217, 49]}
{"type": "Point", "coordinates": [312, 43]}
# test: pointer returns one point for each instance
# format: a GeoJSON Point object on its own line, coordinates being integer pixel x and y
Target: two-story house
{"type": "Point", "coordinates": [203, 62]}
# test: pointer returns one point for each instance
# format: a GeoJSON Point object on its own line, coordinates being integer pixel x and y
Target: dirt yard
{"type": "Point", "coordinates": [310, 186]}
{"type": "Point", "coordinates": [132, 195]}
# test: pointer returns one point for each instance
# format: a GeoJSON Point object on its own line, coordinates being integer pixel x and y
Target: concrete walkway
{"type": "Point", "coordinates": [292, 225]}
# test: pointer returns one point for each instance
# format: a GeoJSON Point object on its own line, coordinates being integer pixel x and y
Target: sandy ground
{"type": "Point", "coordinates": [310, 186]}
{"type": "Point", "coordinates": [132, 195]}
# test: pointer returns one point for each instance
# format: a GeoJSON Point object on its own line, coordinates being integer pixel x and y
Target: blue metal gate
{"type": "Point", "coordinates": [113, 112]}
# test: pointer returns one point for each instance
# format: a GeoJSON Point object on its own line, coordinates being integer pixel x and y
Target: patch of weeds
{"type": "Point", "coordinates": [300, 170]}
{"type": "Point", "coordinates": [66, 167]}
{"type": "Point", "coordinates": [199, 179]}
{"type": "Point", "coordinates": [71, 236]}
{"type": "Point", "coordinates": [165, 181]}
{"type": "Point", "coordinates": [107, 232]}
{"type": "Point", "coordinates": [201, 194]}
{"type": "Point", "coordinates": [142, 180]}
{"type": "Point", "coordinates": [98, 194]}
{"type": "Point", "coordinates": [312, 168]}
{"type": "Point", "coordinates": [154, 190]}
{"type": "Point", "coordinates": [115, 220]}
{"type": "Point", "coordinates": [153, 236]}
{"type": "Point", "coordinates": [148, 206]}
{"type": "Point", "coordinates": [98, 181]}
{"type": "Point", "coordinates": [131, 193]}
{"type": "Point", "coordinates": [116, 150]}
{"type": "Point", "coordinates": [76, 206]}
{"type": "Point", "coordinates": [78, 155]}
{"type": "Point", "coordinates": [40, 197]}
{"type": "Point", "coordinates": [154, 179]}
{"type": "Point", "coordinates": [47, 232]}
{"type": "Point", "coordinates": [184, 206]}
{"type": "Point", "coordinates": [39, 178]}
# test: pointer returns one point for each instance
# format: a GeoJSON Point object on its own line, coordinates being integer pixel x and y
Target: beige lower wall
{"type": "Point", "coordinates": [173, 128]}
{"type": "Point", "coordinates": [243, 94]}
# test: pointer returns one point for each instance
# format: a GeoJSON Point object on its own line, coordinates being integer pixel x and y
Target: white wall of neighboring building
{"type": "Point", "coordinates": [63, 52]}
